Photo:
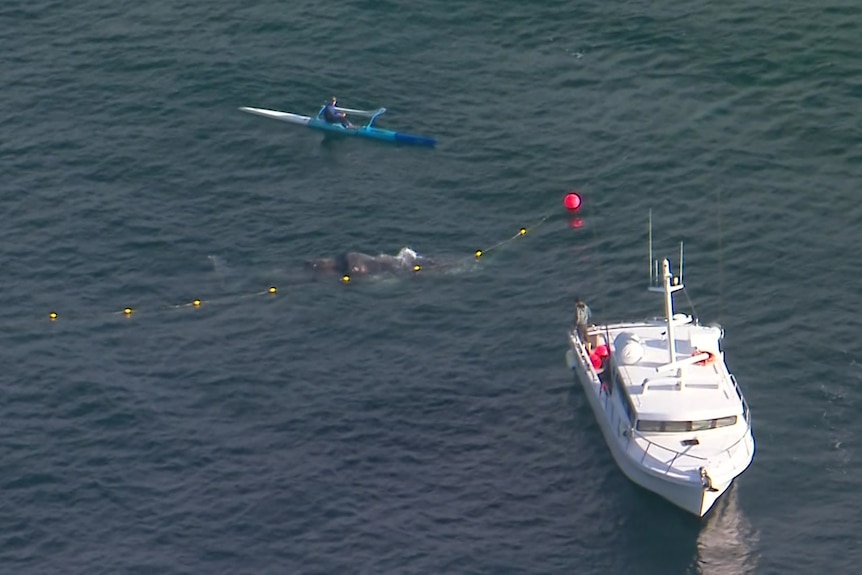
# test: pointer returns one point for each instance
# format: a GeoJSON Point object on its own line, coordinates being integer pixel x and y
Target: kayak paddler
{"type": "Point", "coordinates": [335, 116]}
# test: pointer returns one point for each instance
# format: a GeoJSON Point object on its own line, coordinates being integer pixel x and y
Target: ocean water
{"type": "Point", "coordinates": [424, 424]}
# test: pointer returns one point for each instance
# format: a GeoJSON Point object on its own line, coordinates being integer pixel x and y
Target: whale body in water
{"type": "Point", "coordinates": [361, 264]}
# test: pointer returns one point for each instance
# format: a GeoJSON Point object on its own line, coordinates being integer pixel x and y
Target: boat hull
{"type": "Point", "coordinates": [686, 494]}
{"type": "Point", "coordinates": [369, 132]}
{"type": "Point", "coordinates": [276, 115]}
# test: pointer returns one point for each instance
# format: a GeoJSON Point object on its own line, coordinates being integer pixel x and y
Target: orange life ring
{"type": "Point", "coordinates": [708, 361]}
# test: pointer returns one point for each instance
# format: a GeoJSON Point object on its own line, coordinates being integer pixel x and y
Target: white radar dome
{"type": "Point", "coordinates": [629, 349]}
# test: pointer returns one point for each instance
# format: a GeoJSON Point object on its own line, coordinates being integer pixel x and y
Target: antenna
{"type": "Point", "coordinates": [651, 263]}
{"type": "Point", "coordinates": [665, 283]}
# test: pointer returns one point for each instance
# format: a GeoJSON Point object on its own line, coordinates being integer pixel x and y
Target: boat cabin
{"type": "Point", "coordinates": [694, 392]}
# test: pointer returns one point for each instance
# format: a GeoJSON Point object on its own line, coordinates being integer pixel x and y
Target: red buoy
{"type": "Point", "coordinates": [572, 201]}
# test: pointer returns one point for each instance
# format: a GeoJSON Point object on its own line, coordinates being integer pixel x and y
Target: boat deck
{"type": "Point", "coordinates": [694, 392]}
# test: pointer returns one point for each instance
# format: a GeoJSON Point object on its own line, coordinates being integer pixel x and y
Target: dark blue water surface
{"type": "Point", "coordinates": [425, 424]}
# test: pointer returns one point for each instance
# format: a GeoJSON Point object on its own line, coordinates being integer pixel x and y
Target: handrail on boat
{"type": "Point", "coordinates": [581, 350]}
{"type": "Point", "coordinates": [679, 454]}
{"type": "Point", "coordinates": [745, 411]}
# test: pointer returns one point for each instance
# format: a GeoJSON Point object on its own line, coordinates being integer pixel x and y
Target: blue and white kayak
{"type": "Point", "coordinates": [364, 131]}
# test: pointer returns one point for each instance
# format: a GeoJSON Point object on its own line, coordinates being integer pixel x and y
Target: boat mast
{"type": "Point", "coordinates": [668, 290]}
{"type": "Point", "coordinates": [669, 284]}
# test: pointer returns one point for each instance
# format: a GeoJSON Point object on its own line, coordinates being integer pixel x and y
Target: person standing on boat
{"type": "Point", "coordinates": [333, 115]}
{"type": "Point", "coordinates": [582, 318]}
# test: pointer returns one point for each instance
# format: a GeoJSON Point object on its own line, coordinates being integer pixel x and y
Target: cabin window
{"type": "Point", "coordinates": [676, 426]}
{"type": "Point", "coordinates": [726, 421]}
{"type": "Point", "coordinates": [682, 426]}
{"type": "Point", "coordinates": [647, 425]}
{"type": "Point", "coordinates": [703, 424]}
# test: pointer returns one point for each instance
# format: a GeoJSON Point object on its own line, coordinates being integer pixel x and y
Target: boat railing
{"type": "Point", "coordinates": [580, 349]}
{"type": "Point", "coordinates": [679, 456]}
{"type": "Point", "coordinates": [745, 411]}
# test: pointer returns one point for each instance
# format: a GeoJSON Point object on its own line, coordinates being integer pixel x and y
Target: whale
{"type": "Point", "coordinates": [357, 264]}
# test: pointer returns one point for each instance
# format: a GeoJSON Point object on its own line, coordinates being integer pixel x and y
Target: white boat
{"type": "Point", "coordinates": [672, 414]}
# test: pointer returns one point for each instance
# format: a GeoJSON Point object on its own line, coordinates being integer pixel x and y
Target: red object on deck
{"type": "Point", "coordinates": [598, 355]}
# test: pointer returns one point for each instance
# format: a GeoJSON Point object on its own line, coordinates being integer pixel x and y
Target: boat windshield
{"type": "Point", "coordinates": [683, 426]}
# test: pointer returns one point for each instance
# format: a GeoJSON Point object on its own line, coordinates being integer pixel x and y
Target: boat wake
{"type": "Point", "coordinates": [220, 269]}
{"type": "Point", "coordinates": [727, 543]}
